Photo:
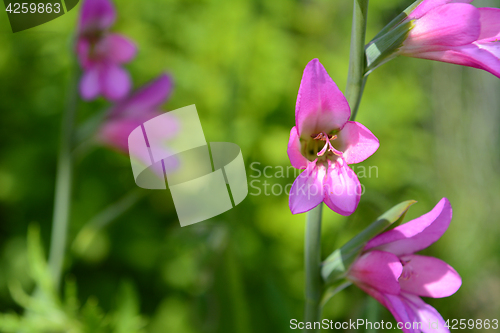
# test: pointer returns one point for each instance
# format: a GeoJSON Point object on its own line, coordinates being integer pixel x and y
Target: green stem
{"type": "Point", "coordinates": [63, 186]}
{"type": "Point", "coordinates": [314, 283]}
{"type": "Point", "coordinates": [355, 84]}
{"type": "Point", "coordinates": [86, 235]}
{"type": "Point", "coordinates": [354, 111]}
{"type": "Point", "coordinates": [357, 62]}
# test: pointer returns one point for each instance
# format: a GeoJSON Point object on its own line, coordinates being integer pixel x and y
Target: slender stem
{"type": "Point", "coordinates": [357, 62]}
{"type": "Point", "coordinates": [314, 283]}
{"type": "Point", "coordinates": [354, 111]}
{"type": "Point", "coordinates": [87, 234]}
{"type": "Point", "coordinates": [63, 185]}
{"type": "Point", "coordinates": [355, 85]}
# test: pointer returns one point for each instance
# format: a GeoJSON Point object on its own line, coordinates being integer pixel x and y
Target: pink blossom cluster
{"type": "Point", "coordinates": [101, 55]}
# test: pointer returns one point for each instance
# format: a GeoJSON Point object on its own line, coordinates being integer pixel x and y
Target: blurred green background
{"type": "Point", "coordinates": [241, 62]}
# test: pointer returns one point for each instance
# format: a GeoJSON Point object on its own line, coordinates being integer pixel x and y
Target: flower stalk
{"type": "Point", "coordinates": [355, 85]}
{"type": "Point", "coordinates": [62, 197]}
{"type": "Point", "coordinates": [356, 79]}
{"type": "Point", "coordinates": [314, 284]}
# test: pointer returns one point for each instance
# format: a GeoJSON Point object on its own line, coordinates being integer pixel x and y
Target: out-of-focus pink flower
{"type": "Point", "coordinates": [324, 142]}
{"type": "Point", "coordinates": [128, 114]}
{"type": "Point", "coordinates": [456, 32]}
{"type": "Point", "coordinates": [390, 272]}
{"type": "Point", "coordinates": [102, 53]}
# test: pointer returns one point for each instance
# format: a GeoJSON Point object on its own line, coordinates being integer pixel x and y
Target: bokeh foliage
{"type": "Point", "coordinates": [240, 62]}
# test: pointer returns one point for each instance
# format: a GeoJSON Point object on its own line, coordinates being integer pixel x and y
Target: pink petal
{"type": "Point", "coordinates": [115, 81]}
{"type": "Point", "coordinates": [307, 190]}
{"type": "Point", "coordinates": [119, 48]}
{"type": "Point", "coordinates": [415, 235]}
{"type": "Point", "coordinates": [148, 97]}
{"type": "Point", "coordinates": [90, 86]}
{"type": "Point", "coordinates": [402, 312]}
{"type": "Point", "coordinates": [379, 270]}
{"type": "Point", "coordinates": [321, 106]}
{"type": "Point", "coordinates": [414, 314]}
{"type": "Point", "coordinates": [115, 133]}
{"type": "Point", "coordinates": [96, 15]}
{"type": "Point", "coordinates": [342, 188]}
{"type": "Point", "coordinates": [428, 277]}
{"type": "Point", "coordinates": [296, 158]}
{"type": "Point", "coordinates": [359, 142]}
{"type": "Point", "coordinates": [431, 320]}
{"type": "Point", "coordinates": [398, 308]}
{"type": "Point", "coordinates": [483, 56]}
{"type": "Point", "coordinates": [449, 25]}
{"type": "Point", "coordinates": [82, 52]}
{"type": "Point", "coordinates": [492, 47]}
{"type": "Point", "coordinates": [490, 23]}
{"type": "Point", "coordinates": [427, 5]}
{"type": "Point", "coordinates": [159, 131]}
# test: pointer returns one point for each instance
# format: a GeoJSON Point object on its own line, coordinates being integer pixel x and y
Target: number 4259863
{"type": "Point", "coordinates": [455, 324]}
{"type": "Point", "coordinates": [23, 8]}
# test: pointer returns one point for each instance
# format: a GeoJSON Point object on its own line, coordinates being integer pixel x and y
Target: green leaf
{"type": "Point", "coordinates": [39, 269]}
{"type": "Point", "coordinates": [71, 303]}
{"type": "Point", "coordinates": [127, 318]}
{"type": "Point", "coordinates": [93, 317]}
{"type": "Point", "coordinates": [338, 263]}
{"type": "Point", "coordinates": [10, 322]}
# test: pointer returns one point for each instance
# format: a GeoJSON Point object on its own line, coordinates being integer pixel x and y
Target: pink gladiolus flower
{"type": "Point", "coordinates": [324, 142]}
{"type": "Point", "coordinates": [132, 112]}
{"type": "Point", "coordinates": [389, 271]}
{"type": "Point", "coordinates": [456, 32]}
{"type": "Point", "coordinates": [101, 53]}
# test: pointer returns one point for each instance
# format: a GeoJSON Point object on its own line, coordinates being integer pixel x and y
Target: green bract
{"type": "Point", "coordinates": [338, 263]}
{"type": "Point", "coordinates": [384, 45]}
{"type": "Point", "coordinates": [384, 48]}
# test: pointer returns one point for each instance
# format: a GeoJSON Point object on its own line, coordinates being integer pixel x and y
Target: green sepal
{"type": "Point", "coordinates": [337, 264]}
{"type": "Point", "coordinates": [384, 48]}
{"type": "Point", "coordinates": [398, 19]}
{"type": "Point", "coordinates": [384, 45]}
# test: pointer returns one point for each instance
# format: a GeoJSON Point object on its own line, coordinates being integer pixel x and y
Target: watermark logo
{"type": "Point", "coordinates": [28, 14]}
{"type": "Point", "coordinates": [205, 179]}
{"type": "Point", "coordinates": [277, 180]}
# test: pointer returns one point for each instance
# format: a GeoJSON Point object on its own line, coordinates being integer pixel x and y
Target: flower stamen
{"type": "Point", "coordinates": [328, 145]}
{"type": "Point", "coordinates": [407, 269]}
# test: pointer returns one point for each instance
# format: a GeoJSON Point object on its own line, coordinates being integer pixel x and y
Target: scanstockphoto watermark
{"type": "Point", "coordinates": [270, 180]}
{"type": "Point", "coordinates": [358, 324]}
